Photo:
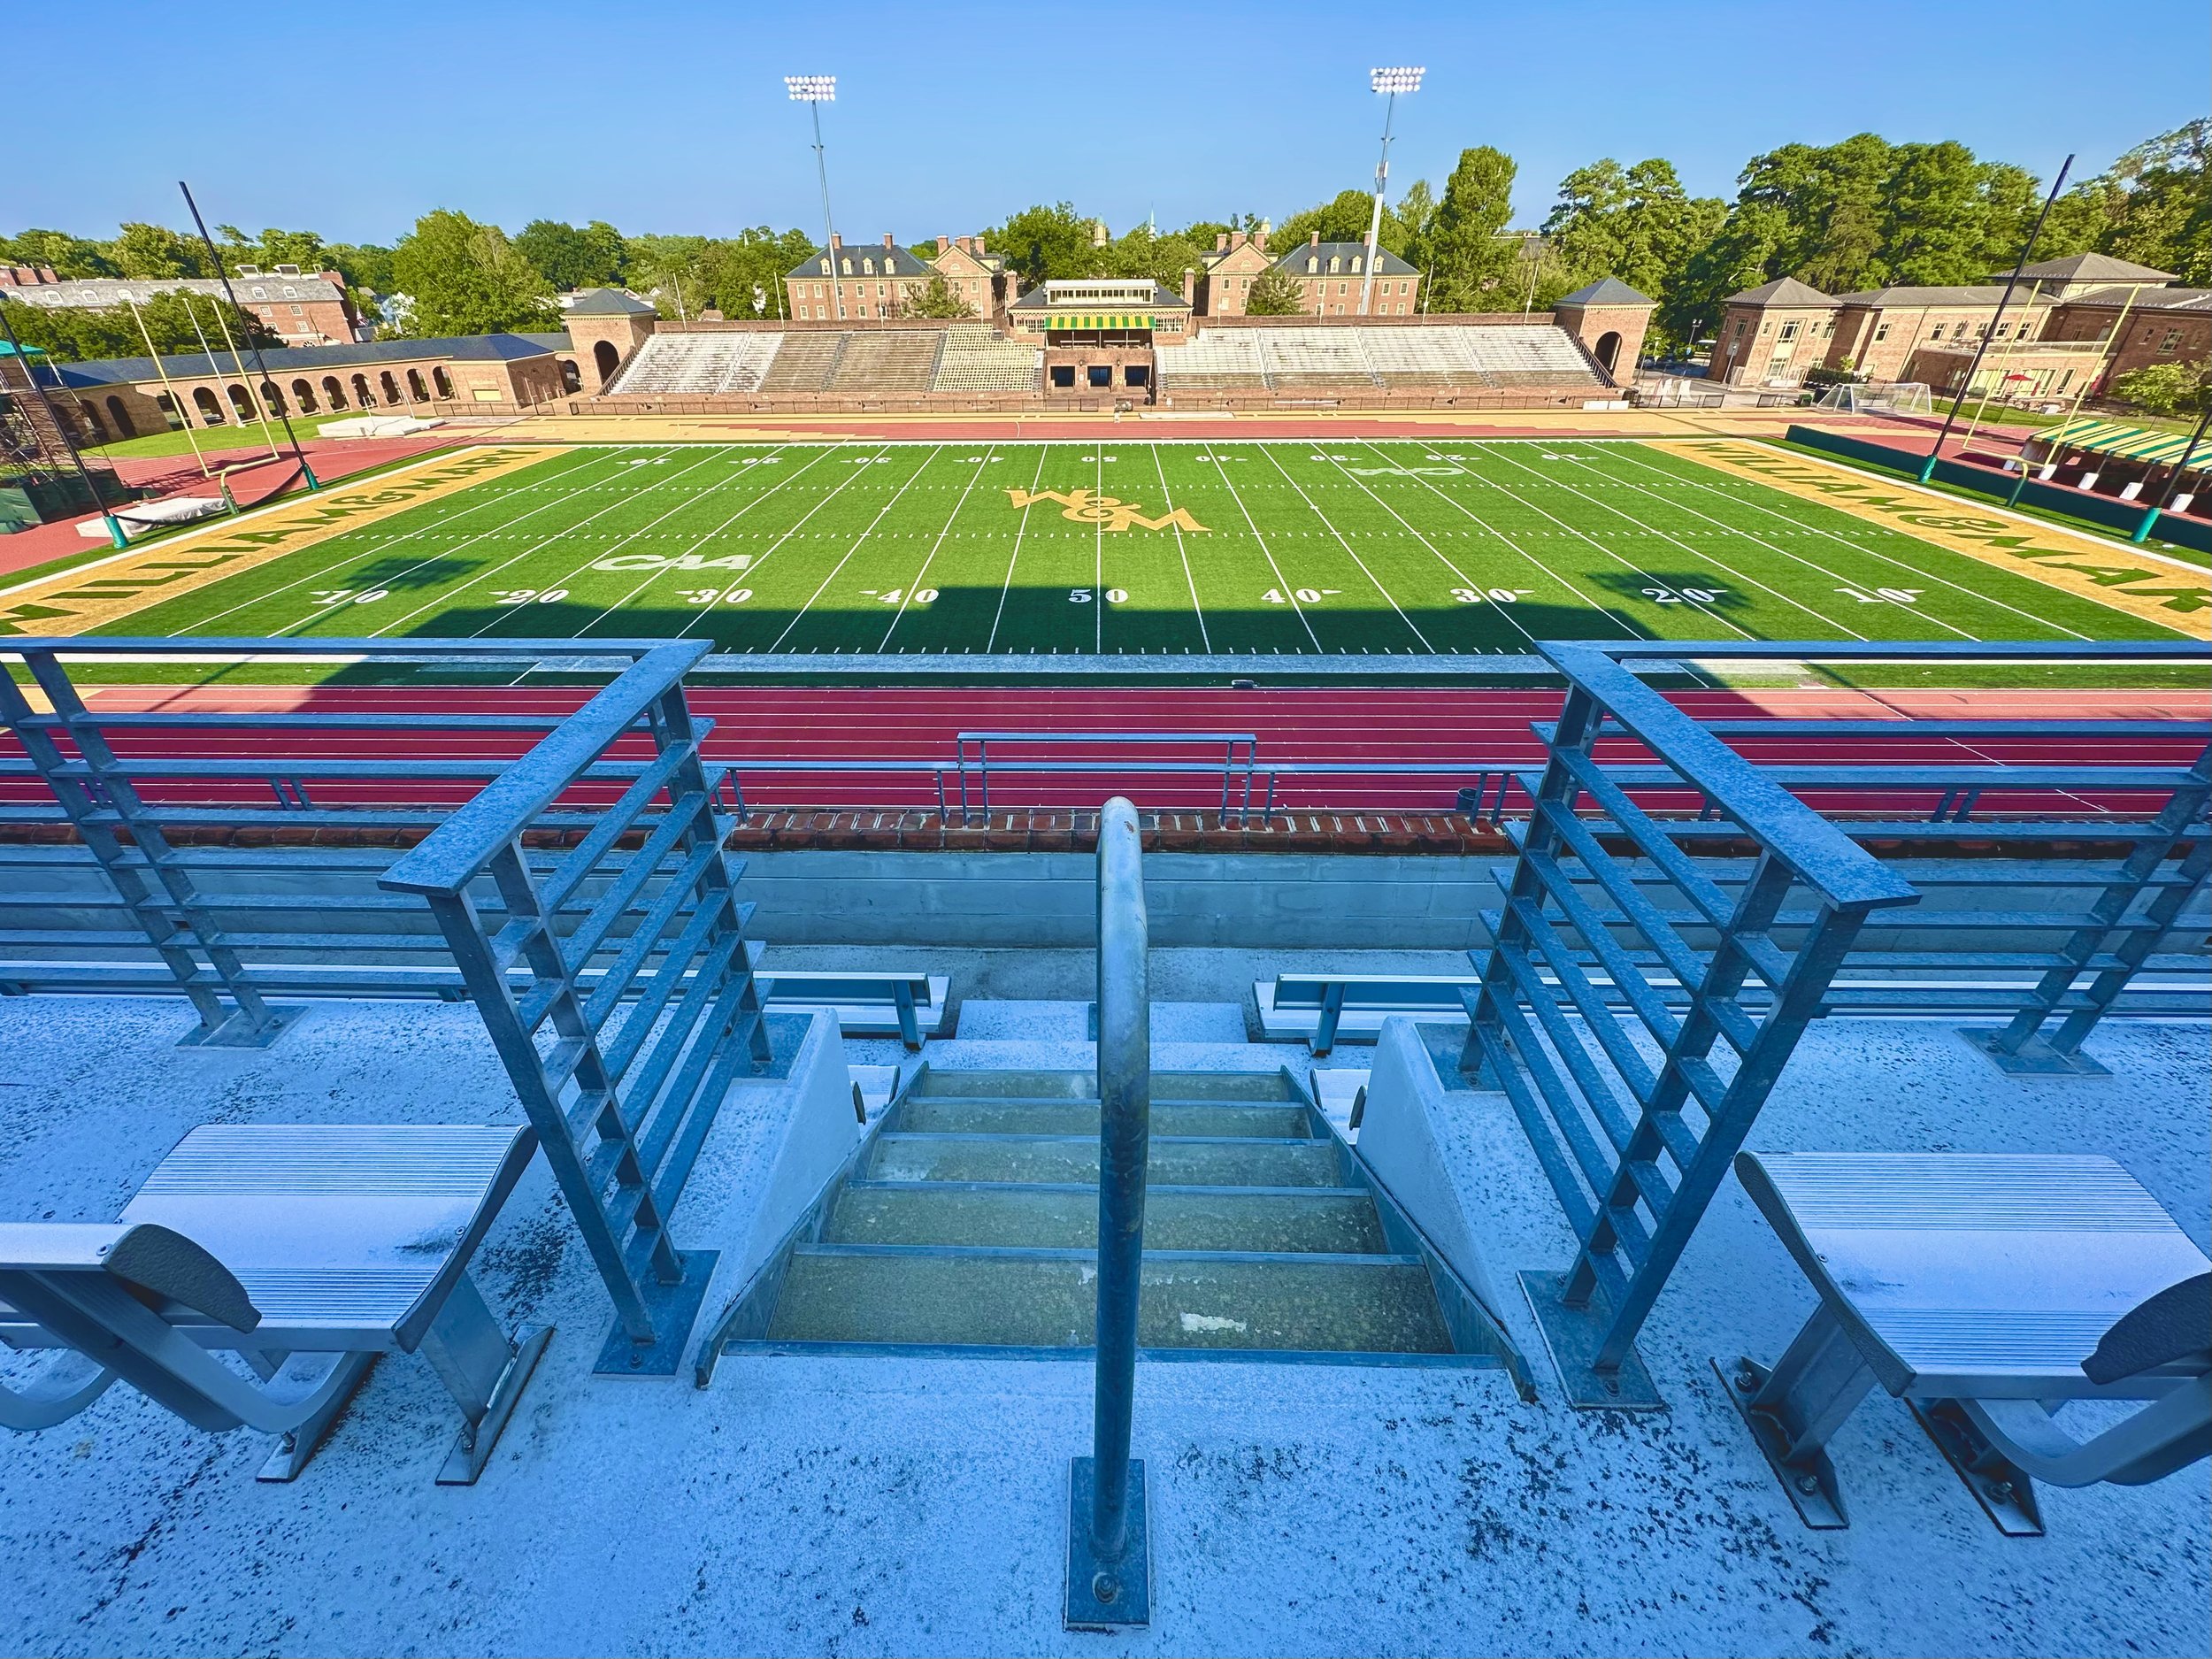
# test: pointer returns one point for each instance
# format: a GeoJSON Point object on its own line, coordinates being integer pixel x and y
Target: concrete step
{"type": "Point", "coordinates": [1048, 1298]}
{"type": "Point", "coordinates": [944, 1116]}
{"type": "Point", "coordinates": [1083, 1085]}
{"type": "Point", "coordinates": [1337, 1221]}
{"type": "Point", "coordinates": [1227, 1161]}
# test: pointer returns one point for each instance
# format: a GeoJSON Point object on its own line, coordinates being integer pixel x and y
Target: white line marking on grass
{"type": "Point", "coordinates": [1283, 583]}
{"type": "Point", "coordinates": [1835, 535]}
{"type": "Point", "coordinates": [1636, 630]}
{"type": "Point", "coordinates": [854, 548]}
{"type": "Point", "coordinates": [1388, 598]}
{"type": "Point", "coordinates": [696, 542]}
{"type": "Point", "coordinates": [1702, 607]}
{"type": "Point", "coordinates": [1014, 557]}
{"type": "Point", "coordinates": [1729, 528]}
{"type": "Point", "coordinates": [941, 534]}
{"type": "Point", "coordinates": [1183, 553]}
{"type": "Point", "coordinates": [447, 597]}
{"type": "Point", "coordinates": [495, 497]}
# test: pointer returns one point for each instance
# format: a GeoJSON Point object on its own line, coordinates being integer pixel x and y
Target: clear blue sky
{"type": "Point", "coordinates": [668, 115]}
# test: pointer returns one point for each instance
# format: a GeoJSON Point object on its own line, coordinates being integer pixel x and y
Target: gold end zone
{"type": "Point", "coordinates": [95, 595]}
{"type": "Point", "coordinates": [2168, 592]}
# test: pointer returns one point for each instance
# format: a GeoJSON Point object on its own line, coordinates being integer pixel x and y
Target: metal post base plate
{"type": "Point", "coordinates": [675, 1308]}
{"type": "Point", "coordinates": [1130, 1578]}
{"type": "Point", "coordinates": [293, 1450]}
{"type": "Point", "coordinates": [2005, 1492]}
{"type": "Point", "coordinates": [2035, 1057]}
{"type": "Point", "coordinates": [238, 1032]}
{"type": "Point", "coordinates": [1810, 1485]}
{"type": "Point", "coordinates": [473, 1448]}
{"type": "Point", "coordinates": [1571, 1336]}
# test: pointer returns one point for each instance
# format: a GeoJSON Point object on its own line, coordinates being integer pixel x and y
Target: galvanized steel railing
{"type": "Point", "coordinates": [576, 891]}
{"type": "Point", "coordinates": [1721, 961]}
{"type": "Point", "coordinates": [1110, 1565]}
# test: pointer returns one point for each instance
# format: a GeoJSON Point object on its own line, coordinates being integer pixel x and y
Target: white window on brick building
{"type": "Point", "coordinates": [1789, 331]}
{"type": "Point", "coordinates": [1881, 333]}
{"type": "Point", "coordinates": [2172, 339]}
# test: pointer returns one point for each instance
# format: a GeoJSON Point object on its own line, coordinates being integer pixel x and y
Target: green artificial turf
{"type": "Point", "coordinates": [1343, 547]}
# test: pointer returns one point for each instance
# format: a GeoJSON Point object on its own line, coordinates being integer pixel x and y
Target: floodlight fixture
{"type": "Point", "coordinates": [814, 91]}
{"type": "Point", "coordinates": [1390, 82]}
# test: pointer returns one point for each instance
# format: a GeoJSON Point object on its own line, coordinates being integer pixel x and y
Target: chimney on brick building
{"type": "Point", "coordinates": [1190, 286]}
{"type": "Point", "coordinates": [1221, 242]}
{"type": "Point", "coordinates": [887, 239]}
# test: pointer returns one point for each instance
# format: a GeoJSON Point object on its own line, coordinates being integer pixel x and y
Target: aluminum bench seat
{"type": "Point", "coordinates": [909, 1006]}
{"type": "Point", "coordinates": [1985, 1292]}
{"type": "Point", "coordinates": [338, 1242]}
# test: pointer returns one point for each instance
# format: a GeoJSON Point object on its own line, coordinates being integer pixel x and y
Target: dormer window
{"type": "Point", "coordinates": [1335, 264]}
{"type": "Point", "coordinates": [848, 263]}
{"type": "Point", "coordinates": [1355, 264]}
{"type": "Point", "coordinates": [868, 267]}
{"type": "Point", "coordinates": [825, 266]}
{"type": "Point", "coordinates": [260, 293]}
{"type": "Point", "coordinates": [1313, 266]}
{"type": "Point", "coordinates": [290, 292]}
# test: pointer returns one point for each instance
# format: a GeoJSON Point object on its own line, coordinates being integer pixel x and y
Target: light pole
{"type": "Point", "coordinates": [814, 91]}
{"type": "Point", "coordinates": [1390, 83]}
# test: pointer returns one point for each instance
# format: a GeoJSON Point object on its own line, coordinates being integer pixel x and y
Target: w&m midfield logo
{"type": "Point", "coordinates": [1087, 508]}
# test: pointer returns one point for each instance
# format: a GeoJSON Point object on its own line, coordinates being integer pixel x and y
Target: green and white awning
{"type": "Point", "coordinates": [2133, 443]}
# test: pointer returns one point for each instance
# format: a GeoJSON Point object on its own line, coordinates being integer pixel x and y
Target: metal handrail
{"type": "Point", "coordinates": [1109, 1570]}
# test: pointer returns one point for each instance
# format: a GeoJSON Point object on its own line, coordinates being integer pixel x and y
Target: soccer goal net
{"type": "Point", "coordinates": [1906, 397]}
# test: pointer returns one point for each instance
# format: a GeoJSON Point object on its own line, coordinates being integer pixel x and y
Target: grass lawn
{"type": "Point", "coordinates": [223, 440]}
{"type": "Point", "coordinates": [1396, 550]}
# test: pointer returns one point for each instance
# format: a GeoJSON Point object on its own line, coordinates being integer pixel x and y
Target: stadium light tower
{"type": "Point", "coordinates": [814, 91]}
{"type": "Point", "coordinates": [1390, 83]}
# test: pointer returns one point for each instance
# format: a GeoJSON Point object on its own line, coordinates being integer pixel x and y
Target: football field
{"type": "Point", "coordinates": [1128, 548]}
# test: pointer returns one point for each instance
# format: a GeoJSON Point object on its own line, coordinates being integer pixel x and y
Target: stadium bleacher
{"type": "Point", "coordinates": [977, 358]}
{"type": "Point", "coordinates": [898, 360]}
{"type": "Point", "coordinates": [805, 364]}
{"type": "Point", "coordinates": [1442, 357]}
{"type": "Point", "coordinates": [687, 365]}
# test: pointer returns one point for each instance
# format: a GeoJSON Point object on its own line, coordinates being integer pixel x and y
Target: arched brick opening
{"type": "Point", "coordinates": [122, 416]}
{"type": "Point", "coordinates": [1607, 349]}
{"type": "Point", "coordinates": [606, 359]}
{"type": "Point", "coordinates": [334, 393]}
{"type": "Point", "coordinates": [211, 410]}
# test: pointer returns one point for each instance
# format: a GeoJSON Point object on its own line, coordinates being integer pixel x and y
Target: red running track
{"type": "Point", "coordinates": [908, 732]}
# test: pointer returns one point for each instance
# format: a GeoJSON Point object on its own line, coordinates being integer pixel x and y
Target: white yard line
{"type": "Point", "coordinates": [783, 481]}
{"type": "Point", "coordinates": [1283, 584]}
{"type": "Point", "coordinates": [1388, 598]}
{"type": "Point", "coordinates": [1868, 552]}
{"type": "Point", "coordinates": [448, 595]}
{"type": "Point", "coordinates": [1505, 610]}
{"type": "Point", "coordinates": [864, 534]}
{"type": "Point", "coordinates": [1014, 558]}
{"type": "Point", "coordinates": [776, 546]}
{"type": "Point", "coordinates": [1183, 553]}
{"type": "Point", "coordinates": [1098, 558]}
{"type": "Point", "coordinates": [200, 625]}
{"type": "Point", "coordinates": [1636, 630]}
{"type": "Point", "coordinates": [1642, 574]}
{"type": "Point", "coordinates": [929, 558]}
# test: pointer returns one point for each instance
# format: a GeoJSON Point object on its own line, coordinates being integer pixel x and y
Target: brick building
{"type": "Point", "coordinates": [844, 283]}
{"type": "Point", "coordinates": [1329, 275]}
{"type": "Point", "coordinates": [977, 277]}
{"type": "Point", "coordinates": [2086, 318]}
{"type": "Point", "coordinates": [1098, 333]}
{"type": "Point", "coordinates": [300, 307]}
{"type": "Point", "coordinates": [1610, 319]}
{"type": "Point", "coordinates": [124, 398]}
{"type": "Point", "coordinates": [605, 328]}
{"type": "Point", "coordinates": [1224, 280]}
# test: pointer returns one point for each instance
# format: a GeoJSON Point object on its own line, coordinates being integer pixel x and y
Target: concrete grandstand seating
{"type": "Point", "coordinates": [685, 365]}
{"type": "Point", "coordinates": [977, 358]}
{"type": "Point", "coordinates": [805, 363]}
{"type": "Point", "coordinates": [902, 360]}
{"type": "Point", "coordinates": [1441, 357]}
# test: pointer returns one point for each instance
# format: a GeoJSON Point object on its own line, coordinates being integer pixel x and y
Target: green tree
{"type": "Point", "coordinates": [2167, 388]}
{"type": "Point", "coordinates": [301, 247]}
{"type": "Point", "coordinates": [179, 322]}
{"type": "Point", "coordinates": [155, 251]}
{"type": "Point", "coordinates": [937, 299]}
{"type": "Point", "coordinates": [1635, 223]}
{"type": "Point", "coordinates": [1470, 266]}
{"type": "Point", "coordinates": [365, 266]}
{"type": "Point", "coordinates": [2152, 206]}
{"type": "Point", "coordinates": [1274, 293]}
{"type": "Point", "coordinates": [570, 258]}
{"type": "Point", "coordinates": [1045, 242]}
{"type": "Point", "coordinates": [66, 255]}
{"type": "Point", "coordinates": [465, 278]}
